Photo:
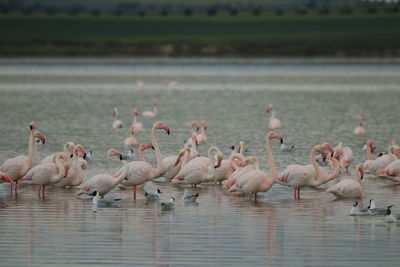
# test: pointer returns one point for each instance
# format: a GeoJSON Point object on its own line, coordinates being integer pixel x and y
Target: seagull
{"type": "Point", "coordinates": [153, 194]}
{"type": "Point", "coordinates": [356, 210]}
{"type": "Point", "coordinates": [169, 205]}
{"type": "Point", "coordinates": [189, 197]}
{"type": "Point", "coordinates": [129, 156]}
{"type": "Point", "coordinates": [373, 210]}
{"type": "Point", "coordinates": [391, 217]}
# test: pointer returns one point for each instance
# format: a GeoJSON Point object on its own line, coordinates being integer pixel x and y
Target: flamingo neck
{"type": "Point", "coordinates": [272, 115]}
{"type": "Point", "coordinates": [333, 174]}
{"type": "Point", "coordinates": [155, 109]}
{"type": "Point", "coordinates": [270, 158]}
{"type": "Point", "coordinates": [369, 153]}
{"type": "Point", "coordinates": [35, 155]}
{"type": "Point", "coordinates": [390, 152]}
{"type": "Point", "coordinates": [154, 142]}
{"type": "Point", "coordinates": [240, 149]}
{"type": "Point", "coordinates": [122, 174]}
{"type": "Point", "coordinates": [314, 162]}
{"type": "Point", "coordinates": [60, 169]}
{"type": "Point", "coordinates": [194, 152]}
{"type": "Point", "coordinates": [134, 120]}
{"type": "Point", "coordinates": [141, 155]}
{"type": "Point", "coordinates": [31, 148]}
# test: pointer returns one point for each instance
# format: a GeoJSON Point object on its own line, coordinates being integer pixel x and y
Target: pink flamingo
{"type": "Point", "coordinates": [131, 140]}
{"type": "Point", "coordinates": [172, 165]}
{"type": "Point", "coordinates": [227, 168]}
{"type": "Point", "coordinates": [153, 113]}
{"type": "Point", "coordinates": [369, 150]}
{"type": "Point", "coordinates": [68, 146]}
{"type": "Point", "coordinates": [256, 181]}
{"type": "Point", "coordinates": [201, 137]}
{"type": "Point", "coordinates": [344, 155]}
{"type": "Point", "coordinates": [274, 123]}
{"type": "Point", "coordinates": [16, 168]}
{"type": "Point", "coordinates": [140, 171]}
{"type": "Point", "coordinates": [359, 129]}
{"type": "Point", "coordinates": [138, 125]}
{"type": "Point", "coordinates": [241, 170]}
{"type": "Point", "coordinates": [194, 127]}
{"type": "Point", "coordinates": [75, 173]}
{"type": "Point", "coordinates": [392, 170]}
{"type": "Point", "coordinates": [118, 124]}
{"type": "Point", "coordinates": [48, 173]}
{"type": "Point", "coordinates": [200, 169]}
{"type": "Point", "coordinates": [381, 162]}
{"type": "Point", "coordinates": [348, 187]}
{"type": "Point", "coordinates": [103, 183]}
{"type": "Point", "coordinates": [299, 176]}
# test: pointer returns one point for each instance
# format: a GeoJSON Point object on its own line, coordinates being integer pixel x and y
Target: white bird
{"type": "Point", "coordinates": [274, 123]}
{"type": "Point", "coordinates": [153, 194]}
{"type": "Point", "coordinates": [118, 124]}
{"type": "Point", "coordinates": [168, 205]}
{"type": "Point", "coordinates": [153, 113]}
{"type": "Point", "coordinates": [373, 210]}
{"type": "Point", "coordinates": [357, 211]}
{"type": "Point", "coordinates": [286, 147]}
{"type": "Point", "coordinates": [391, 217]}
{"type": "Point", "coordinates": [189, 197]}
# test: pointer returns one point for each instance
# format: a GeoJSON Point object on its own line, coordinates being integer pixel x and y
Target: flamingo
{"type": "Point", "coordinates": [48, 173]}
{"type": "Point", "coordinates": [151, 114]}
{"type": "Point", "coordinates": [348, 187]}
{"type": "Point", "coordinates": [200, 169]}
{"type": "Point", "coordinates": [274, 123]}
{"type": "Point", "coordinates": [344, 155]}
{"type": "Point", "coordinates": [392, 170]}
{"type": "Point", "coordinates": [138, 125]}
{"type": "Point", "coordinates": [140, 172]}
{"type": "Point", "coordinates": [172, 165]}
{"type": "Point", "coordinates": [256, 181]}
{"type": "Point", "coordinates": [201, 137]}
{"type": "Point", "coordinates": [381, 162]}
{"type": "Point", "coordinates": [359, 129]}
{"type": "Point", "coordinates": [228, 167]}
{"type": "Point", "coordinates": [75, 173]}
{"type": "Point", "coordinates": [118, 124]}
{"type": "Point", "coordinates": [68, 146]}
{"type": "Point", "coordinates": [131, 140]}
{"type": "Point", "coordinates": [194, 127]}
{"type": "Point", "coordinates": [241, 170]}
{"type": "Point", "coordinates": [16, 168]}
{"type": "Point", "coordinates": [299, 176]}
{"type": "Point", "coordinates": [103, 183]}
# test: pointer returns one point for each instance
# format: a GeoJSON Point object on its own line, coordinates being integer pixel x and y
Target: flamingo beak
{"type": "Point", "coordinates": [84, 156]}
{"type": "Point", "coordinates": [41, 137]}
{"type": "Point", "coordinates": [331, 151]}
{"type": "Point", "coordinates": [165, 128]}
{"type": "Point", "coordinates": [218, 163]}
{"type": "Point", "coordinates": [119, 155]}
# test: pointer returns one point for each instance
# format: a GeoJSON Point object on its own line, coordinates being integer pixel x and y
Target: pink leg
{"type": "Point", "coordinates": [294, 192]}
{"type": "Point", "coordinates": [16, 189]}
{"type": "Point", "coordinates": [40, 188]}
{"type": "Point", "coordinates": [134, 192]}
{"type": "Point", "coordinates": [298, 193]}
{"type": "Point", "coordinates": [43, 191]}
{"type": "Point", "coordinates": [255, 196]}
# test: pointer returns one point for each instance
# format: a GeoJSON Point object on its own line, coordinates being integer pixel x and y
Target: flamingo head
{"type": "Point", "coordinates": [218, 159]}
{"type": "Point", "coordinates": [115, 113]}
{"type": "Point", "coordinates": [326, 146]}
{"type": "Point", "coordinates": [135, 112]}
{"type": "Point", "coordinates": [273, 135]}
{"type": "Point", "coordinates": [160, 125]}
{"type": "Point", "coordinates": [80, 151]}
{"type": "Point", "coordinates": [114, 153]}
{"type": "Point", "coordinates": [360, 119]}
{"type": "Point", "coordinates": [269, 108]}
{"type": "Point", "coordinates": [204, 124]}
{"type": "Point", "coordinates": [359, 170]}
{"type": "Point", "coordinates": [32, 125]}
{"type": "Point", "coordinates": [195, 125]}
{"type": "Point", "coordinates": [143, 147]}
{"type": "Point", "coordinates": [41, 137]}
{"type": "Point", "coordinates": [323, 154]}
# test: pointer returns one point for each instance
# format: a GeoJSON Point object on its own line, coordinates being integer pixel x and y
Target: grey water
{"type": "Point", "coordinates": [317, 100]}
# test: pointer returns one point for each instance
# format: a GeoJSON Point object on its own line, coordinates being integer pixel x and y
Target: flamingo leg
{"type": "Point", "coordinates": [16, 189]}
{"type": "Point", "coordinates": [134, 192]}
{"type": "Point", "coordinates": [298, 193]}
{"type": "Point", "coordinates": [43, 191]}
{"type": "Point", "coordinates": [255, 196]}
{"type": "Point", "coordinates": [40, 188]}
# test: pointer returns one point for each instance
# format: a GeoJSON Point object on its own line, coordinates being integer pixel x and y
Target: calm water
{"type": "Point", "coordinates": [319, 100]}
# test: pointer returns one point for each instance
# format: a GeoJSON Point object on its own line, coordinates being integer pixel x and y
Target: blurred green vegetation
{"type": "Point", "coordinates": [294, 32]}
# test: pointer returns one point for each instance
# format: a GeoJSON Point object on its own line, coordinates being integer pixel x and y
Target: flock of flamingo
{"type": "Point", "coordinates": [238, 174]}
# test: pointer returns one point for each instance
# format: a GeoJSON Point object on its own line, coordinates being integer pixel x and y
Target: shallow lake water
{"type": "Point", "coordinates": [316, 100]}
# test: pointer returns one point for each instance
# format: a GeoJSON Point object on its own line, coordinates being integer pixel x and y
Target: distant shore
{"type": "Point", "coordinates": [333, 35]}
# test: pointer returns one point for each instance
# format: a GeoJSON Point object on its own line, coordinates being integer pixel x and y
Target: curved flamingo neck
{"type": "Point", "coordinates": [31, 148]}
{"type": "Point", "coordinates": [270, 158]}
{"type": "Point", "coordinates": [59, 167]}
{"type": "Point", "coordinates": [154, 142]}
{"type": "Point", "coordinates": [122, 174]}
{"type": "Point", "coordinates": [141, 154]}
{"type": "Point", "coordinates": [194, 152]}
{"type": "Point", "coordinates": [314, 162]}
{"type": "Point", "coordinates": [333, 174]}
{"type": "Point", "coordinates": [272, 115]}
